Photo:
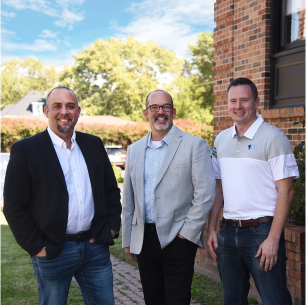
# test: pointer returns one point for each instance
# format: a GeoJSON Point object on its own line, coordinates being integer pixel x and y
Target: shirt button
{"type": "Point", "coordinates": [237, 150]}
{"type": "Point", "coordinates": [81, 202]}
{"type": "Point", "coordinates": [155, 163]}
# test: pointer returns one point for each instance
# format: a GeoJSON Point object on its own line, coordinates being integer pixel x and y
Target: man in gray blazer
{"type": "Point", "coordinates": [169, 189]}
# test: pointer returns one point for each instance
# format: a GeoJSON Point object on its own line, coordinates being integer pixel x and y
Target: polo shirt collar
{"type": "Point", "coordinates": [59, 142]}
{"type": "Point", "coordinates": [166, 139]}
{"type": "Point", "coordinates": [250, 133]}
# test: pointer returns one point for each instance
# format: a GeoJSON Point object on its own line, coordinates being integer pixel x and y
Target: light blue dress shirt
{"type": "Point", "coordinates": [154, 158]}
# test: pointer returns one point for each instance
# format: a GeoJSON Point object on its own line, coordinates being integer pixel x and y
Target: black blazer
{"type": "Point", "coordinates": [36, 196]}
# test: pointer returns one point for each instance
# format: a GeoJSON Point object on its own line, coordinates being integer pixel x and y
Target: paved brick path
{"type": "Point", "coordinates": [127, 286]}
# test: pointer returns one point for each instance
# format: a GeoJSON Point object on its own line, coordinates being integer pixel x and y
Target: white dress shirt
{"type": "Point", "coordinates": [81, 204]}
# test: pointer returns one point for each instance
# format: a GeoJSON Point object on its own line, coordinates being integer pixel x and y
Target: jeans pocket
{"type": "Point", "coordinates": [222, 226]}
{"type": "Point", "coordinates": [262, 229]}
{"type": "Point", "coordinates": [41, 257]}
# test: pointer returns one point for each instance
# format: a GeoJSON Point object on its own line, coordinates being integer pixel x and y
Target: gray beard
{"type": "Point", "coordinates": [66, 129]}
{"type": "Point", "coordinates": [158, 127]}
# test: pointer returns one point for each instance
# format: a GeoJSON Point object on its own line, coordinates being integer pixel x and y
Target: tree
{"type": "Point", "coordinates": [202, 61]}
{"type": "Point", "coordinates": [193, 89]}
{"type": "Point", "coordinates": [20, 77]}
{"type": "Point", "coordinates": [114, 76]}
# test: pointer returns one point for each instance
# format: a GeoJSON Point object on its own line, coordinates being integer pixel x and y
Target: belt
{"type": "Point", "coordinates": [78, 237]}
{"type": "Point", "coordinates": [248, 223]}
{"type": "Point", "coordinates": [150, 226]}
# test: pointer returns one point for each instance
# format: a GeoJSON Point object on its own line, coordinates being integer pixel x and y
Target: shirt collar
{"type": "Point", "coordinates": [250, 133]}
{"type": "Point", "coordinates": [166, 139]}
{"type": "Point", "coordinates": [59, 142]}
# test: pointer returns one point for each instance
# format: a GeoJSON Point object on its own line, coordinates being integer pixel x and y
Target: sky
{"type": "Point", "coordinates": [54, 31]}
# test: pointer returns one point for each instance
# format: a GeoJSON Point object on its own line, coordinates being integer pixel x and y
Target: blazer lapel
{"type": "Point", "coordinates": [175, 141]}
{"type": "Point", "coordinates": [47, 149]}
{"type": "Point", "coordinates": [88, 155]}
{"type": "Point", "coordinates": [140, 173]}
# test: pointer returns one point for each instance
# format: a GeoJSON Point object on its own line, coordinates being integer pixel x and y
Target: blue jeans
{"type": "Point", "coordinates": [236, 260]}
{"type": "Point", "coordinates": [90, 265]}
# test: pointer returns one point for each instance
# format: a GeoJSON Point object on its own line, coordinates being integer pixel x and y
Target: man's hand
{"type": "Point", "coordinates": [180, 236]}
{"type": "Point", "coordinates": [212, 243]}
{"type": "Point", "coordinates": [113, 233]}
{"type": "Point", "coordinates": [132, 256]}
{"type": "Point", "coordinates": [42, 253]}
{"type": "Point", "coordinates": [92, 240]}
{"type": "Point", "coordinates": [268, 252]}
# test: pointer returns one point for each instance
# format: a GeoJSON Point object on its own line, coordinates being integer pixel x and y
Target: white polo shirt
{"type": "Point", "coordinates": [249, 166]}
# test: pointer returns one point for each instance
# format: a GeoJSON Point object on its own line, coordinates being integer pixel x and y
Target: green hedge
{"type": "Point", "coordinates": [13, 130]}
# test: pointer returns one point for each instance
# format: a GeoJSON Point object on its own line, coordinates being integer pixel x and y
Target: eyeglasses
{"type": "Point", "coordinates": [155, 108]}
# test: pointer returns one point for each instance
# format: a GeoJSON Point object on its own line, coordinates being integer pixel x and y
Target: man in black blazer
{"type": "Point", "coordinates": [62, 204]}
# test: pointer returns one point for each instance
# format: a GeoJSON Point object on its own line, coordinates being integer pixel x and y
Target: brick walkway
{"type": "Point", "coordinates": [127, 286]}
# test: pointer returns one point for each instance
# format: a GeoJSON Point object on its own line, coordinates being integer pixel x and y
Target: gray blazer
{"type": "Point", "coordinates": [184, 192]}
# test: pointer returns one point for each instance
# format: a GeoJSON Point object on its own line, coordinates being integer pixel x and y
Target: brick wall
{"type": "Point", "coordinates": [242, 43]}
{"type": "Point", "coordinates": [242, 49]}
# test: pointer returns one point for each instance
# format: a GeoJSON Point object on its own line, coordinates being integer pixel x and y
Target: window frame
{"type": "Point", "coordinates": [279, 51]}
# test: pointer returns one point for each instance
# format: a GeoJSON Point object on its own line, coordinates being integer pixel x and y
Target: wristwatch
{"type": "Point", "coordinates": [116, 235]}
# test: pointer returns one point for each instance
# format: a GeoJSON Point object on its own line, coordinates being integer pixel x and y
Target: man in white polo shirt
{"type": "Point", "coordinates": [254, 170]}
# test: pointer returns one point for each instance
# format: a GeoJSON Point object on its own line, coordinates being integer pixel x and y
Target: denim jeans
{"type": "Point", "coordinates": [236, 260]}
{"type": "Point", "coordinates": [90, 265]}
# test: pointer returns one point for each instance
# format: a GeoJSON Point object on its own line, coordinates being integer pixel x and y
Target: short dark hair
{"type": "Point", "coordinates": [62, 87]}
{"type": "Point", "coordinates": [243, 81]}
{"type": "Point", "coordinates": [158, 90]}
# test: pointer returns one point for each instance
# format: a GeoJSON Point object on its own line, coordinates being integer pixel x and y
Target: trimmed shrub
{"type": "Point", "coordinates": [13, 130]}
{"type": "Point", "coordinates": [297, 209]}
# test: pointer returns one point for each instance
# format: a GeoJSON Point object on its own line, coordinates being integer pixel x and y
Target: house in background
{"type": "Point", "coordinates": [264, 40]}
{"type": "Point", "coordinates": [31, 104]}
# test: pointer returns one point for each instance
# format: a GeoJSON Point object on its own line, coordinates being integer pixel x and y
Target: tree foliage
{"type": "Point", "coordinates": [20, 77]}
{"type": "Point", "coordinates": [193, 90]}
{"type": "Point", "coordinates": [202, 62]}
{"type": "Point", "coordinates": [114, 76]}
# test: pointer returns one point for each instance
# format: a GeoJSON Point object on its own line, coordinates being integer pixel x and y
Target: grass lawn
{"type": "Point", "coordinates": [18, 282]}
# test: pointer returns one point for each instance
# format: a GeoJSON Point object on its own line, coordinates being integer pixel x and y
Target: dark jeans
{"type": "Point", "coordinates": [236, 261]}
{"type": "Point", "coordinates": [90, 265]}
{"type": "Point", "coordinates": [166, 274]}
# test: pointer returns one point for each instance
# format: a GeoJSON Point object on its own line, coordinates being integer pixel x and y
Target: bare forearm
{"type": "Point", "coordinates": [282, 207]}
{"type": "Point", "coordinates": [214, 212]}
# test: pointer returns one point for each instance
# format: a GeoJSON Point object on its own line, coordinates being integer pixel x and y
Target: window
{"type": "Point", "coordinates": [37, 108]}
{"type": "Point", "coordinates": [293, 24]}
{"type": "Point", "coordinates": [287, 53]}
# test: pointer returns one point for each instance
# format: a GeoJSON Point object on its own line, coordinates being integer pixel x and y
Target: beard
{"type": "Point", "coordinates": [65, 129]}
{"type": "Point", "coordinates": [158, 127]}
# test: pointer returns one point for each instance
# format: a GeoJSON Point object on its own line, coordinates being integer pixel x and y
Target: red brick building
{"type": "Point", "coordinates": [265, 42]}
{"type": "Point", "coordinates": [258, 40]}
